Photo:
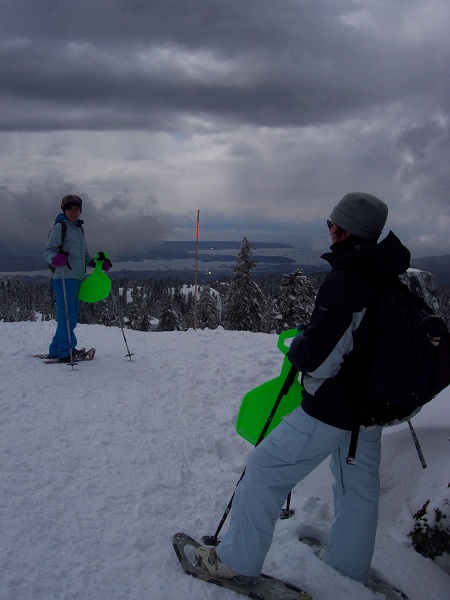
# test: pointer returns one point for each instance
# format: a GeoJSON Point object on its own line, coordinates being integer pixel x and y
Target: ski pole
{"type": "Point", "coordinates": [212, 540]}
{"type": "Point", "coordinates": [67, 316]}
{"type": "Point", "coordinates": [287, 512]}
{"type": "Point", "coordinates": [417, 445]}
{"type": "Point", "coordinates": [119, 317]}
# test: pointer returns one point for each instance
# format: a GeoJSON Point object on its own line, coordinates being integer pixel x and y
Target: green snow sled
{"type": "Point", "coordinates": [97, 285]}
{"type": "Point", "coordinates": [258, 404]}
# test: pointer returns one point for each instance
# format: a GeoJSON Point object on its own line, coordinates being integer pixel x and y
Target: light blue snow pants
{"type": "Point", "coordinates": [288, 454]}
{"type": "Point", "coordinates": [60, 345]}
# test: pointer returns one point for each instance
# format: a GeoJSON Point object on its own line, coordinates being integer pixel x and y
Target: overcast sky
{"type": "Point", "coordinates": [261, 114]}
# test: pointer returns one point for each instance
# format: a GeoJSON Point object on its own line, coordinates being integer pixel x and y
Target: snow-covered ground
{"type": "Point", "coordinates": [102, 464]}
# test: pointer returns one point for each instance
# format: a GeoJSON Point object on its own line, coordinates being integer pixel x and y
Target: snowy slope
{"type": "Point", "coordinates": [101, 465]}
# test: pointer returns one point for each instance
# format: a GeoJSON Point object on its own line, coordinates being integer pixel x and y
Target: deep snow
{"type": "Point", "coordinates": [102, 464]}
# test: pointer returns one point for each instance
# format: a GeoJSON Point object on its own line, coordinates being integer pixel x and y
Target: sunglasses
{"type": "Point", "coordinates": [330, 223]}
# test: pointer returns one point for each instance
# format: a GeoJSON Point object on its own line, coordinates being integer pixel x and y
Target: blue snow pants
{"type": "Point", "coordinates": [285, 457]}
{"type": "Point", "coordinates": [60, 345]}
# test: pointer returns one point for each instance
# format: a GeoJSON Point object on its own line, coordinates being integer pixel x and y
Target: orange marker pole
{"type": "Point", "coordinates": [196, 269]}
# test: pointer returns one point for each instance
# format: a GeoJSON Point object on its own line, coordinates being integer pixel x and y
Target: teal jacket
{"type": "Point", "coordinates": [74, 244]}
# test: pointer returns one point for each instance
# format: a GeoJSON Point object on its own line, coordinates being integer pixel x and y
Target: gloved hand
{"type": "Point", "coordinates": [295, 343]}
{"type": "Point", "coordinates": [107, 264]}
{"type": "Point", "coordinates": [59, 260]}
{"type": "Point", "coordinates": [291, 354]}
{"type": "Point", "coordinates": [101, 257]}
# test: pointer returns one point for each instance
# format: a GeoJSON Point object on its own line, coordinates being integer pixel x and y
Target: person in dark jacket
{"type": "Point", "coordinates": [333, 356]}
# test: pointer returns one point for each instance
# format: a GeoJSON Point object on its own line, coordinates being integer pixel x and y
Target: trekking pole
{"type": "Point", "coordinates": [287, 512]}
{"type": "Point", "coordinates": [119, 317]}
{"type": "Point", "coordinates": [67, 316]}
{"type": "Point", "coordinates": [212, 540]}
{"type": "Point", "coordinates": [417, 445]}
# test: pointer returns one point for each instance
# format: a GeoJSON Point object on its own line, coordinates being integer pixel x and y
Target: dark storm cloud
{"type": "Point", "coordinates": [114, 65]}
{"type": "Point", "coordinates": [239, 107]}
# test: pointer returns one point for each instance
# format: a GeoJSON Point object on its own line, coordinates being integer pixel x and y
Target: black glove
{"type": "Point", "coordinates": [291, 354]}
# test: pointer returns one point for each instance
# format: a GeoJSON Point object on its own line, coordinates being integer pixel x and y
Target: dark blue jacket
{"type": "Point", "coordinates": [334, 355]}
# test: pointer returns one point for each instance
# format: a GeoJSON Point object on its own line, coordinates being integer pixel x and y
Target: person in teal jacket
{"type": "Point", "coordinates": [69, 262]}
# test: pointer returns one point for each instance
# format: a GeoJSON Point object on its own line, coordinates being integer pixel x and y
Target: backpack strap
{"type": "Point", "coordinates": [63, 237]}
{"type": "Point", "coordinates": [376, 281]}
{"type": "Point", "coordinates": [351, 456]}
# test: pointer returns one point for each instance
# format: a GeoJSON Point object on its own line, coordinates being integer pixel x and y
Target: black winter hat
{"type": "Point", "coordinates": [361, 214]}
{"type": "Point", "coordinates": [71, 200]}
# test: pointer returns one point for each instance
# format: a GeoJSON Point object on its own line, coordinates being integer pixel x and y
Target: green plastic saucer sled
{"type": "Point", "coordinates": [97, 285]}
{"type": "Point", "coordinates": [257, 404]}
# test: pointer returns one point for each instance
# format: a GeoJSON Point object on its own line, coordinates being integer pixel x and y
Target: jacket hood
{"type": "Point", "coordinates": [62, 217]}
{"type": "Point", "coordinates": [388, 258]}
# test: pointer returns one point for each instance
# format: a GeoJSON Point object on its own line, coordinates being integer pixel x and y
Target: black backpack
{"type": "Point", "coordinates": [411, 358]}
{"type": "Point", "coordinates": [410, 364]}
{"type": "Point", "coordinates": [60, 250]}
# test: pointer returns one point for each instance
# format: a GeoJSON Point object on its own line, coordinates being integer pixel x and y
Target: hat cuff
{"type": "Point", "coordinates": [357, 229]}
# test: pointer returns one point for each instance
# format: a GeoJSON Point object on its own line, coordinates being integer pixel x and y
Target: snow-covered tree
{"type": "Point", "coordinates": [208, 312]}
{"type": "Point", "coordinates": [245, 303]}
{"type": "Point", "coordinates": [296, 300]}
{"type": "Point", "coordinates": [143, 324]}
{"type": "Point", "coordinates": [423, 284]}
{"type": "Point", "coordinates": [105, 317]}
{"type": "Point", "coordinates": [169, 320]}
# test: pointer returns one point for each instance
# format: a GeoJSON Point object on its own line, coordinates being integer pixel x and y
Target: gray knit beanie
{"type": "Point", "coordinates": [362, 215]}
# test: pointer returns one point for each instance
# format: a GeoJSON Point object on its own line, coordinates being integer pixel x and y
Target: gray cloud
{"type": "Point", "coordinates": [426, 149]}
{"type": "Point", "coordinates": [264, 108]}
{"type": "Point", "coordinates": [115, 227]}
{"type": "Point", "coordinates": [260, 62]}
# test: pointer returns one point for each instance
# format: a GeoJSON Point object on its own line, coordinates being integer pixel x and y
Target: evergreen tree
{"type": "Point", "coordinates": [105, 317]}
{"type": "Point", "coordinates": [245, 303]}
{"type": "Point", "coordinates": [296, 301]}
{"type": "Point", "coordinates": [169, 320]}
{"type": "Point", "coordinates": [134, 307]}
{"type": "Point", "coordinates": [272, 316]}
{"type": "Point", "coordinates": [143, 324]}
{"type": "Point", "coordinates": [208, 312]}
{"type": "Point", "coordinates": [188, 310]}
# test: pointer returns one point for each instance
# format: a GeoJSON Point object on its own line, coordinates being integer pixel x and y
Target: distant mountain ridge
{"type": "Point", "coordinates": [184, 249]}
{"type": "Point", "coordinates": [32, 259]}
{"type": "Point", "coordinates": [24, 259]}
